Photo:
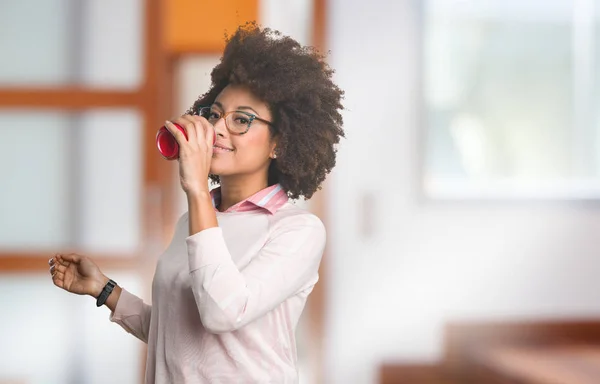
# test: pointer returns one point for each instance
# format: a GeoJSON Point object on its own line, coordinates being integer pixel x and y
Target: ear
{"type": "Point", "coordinates": [273, 152]}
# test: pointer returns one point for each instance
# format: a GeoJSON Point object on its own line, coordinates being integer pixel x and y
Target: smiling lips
{"type": "Point", "coordinates": [221, 148]}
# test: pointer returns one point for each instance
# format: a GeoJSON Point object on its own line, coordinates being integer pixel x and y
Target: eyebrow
{"type": "Point", "coordinates": [240, 107]}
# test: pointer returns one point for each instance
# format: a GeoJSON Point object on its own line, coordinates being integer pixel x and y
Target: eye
{"type": "Point", "coordinates": [241, 118]}
{"type": "Point", "coordinates": [213, 116]}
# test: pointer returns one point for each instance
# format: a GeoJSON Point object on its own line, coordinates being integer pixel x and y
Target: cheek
{"type": "Point", "coordinates": [255, 147]}
{"type": "Point", "coordinates": [252, 152]}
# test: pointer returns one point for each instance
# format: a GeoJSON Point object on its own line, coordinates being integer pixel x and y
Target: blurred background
{"type": "Point", "coordinates": [463, 216]}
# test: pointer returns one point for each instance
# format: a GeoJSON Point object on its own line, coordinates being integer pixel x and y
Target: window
{"type": "Point", "coordinates": [76, 120]}
{"type": "Point", "coordinates": [510, 90]}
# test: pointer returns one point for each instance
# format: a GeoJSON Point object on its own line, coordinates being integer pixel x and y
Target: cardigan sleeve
{"type": "Point", "coordinates": [133, 315]}
{"type": "Point", "coordinates": [228, 298]}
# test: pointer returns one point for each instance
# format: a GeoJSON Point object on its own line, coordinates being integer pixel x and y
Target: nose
{"type": "Point", "coordinates": [220, 127]}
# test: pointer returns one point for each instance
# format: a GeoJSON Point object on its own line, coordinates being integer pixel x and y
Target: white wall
{"type": "Point", "coordinates": [426, 263]}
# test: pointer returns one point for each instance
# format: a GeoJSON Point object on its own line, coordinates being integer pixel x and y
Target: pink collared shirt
{"type": "Point", "coordinates": [226, 300]}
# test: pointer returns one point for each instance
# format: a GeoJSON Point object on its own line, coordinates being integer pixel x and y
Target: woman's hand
{"type": "Point", "coordinates": [195, 153]}
{"type": "Point", "coordinates": [77, 274]}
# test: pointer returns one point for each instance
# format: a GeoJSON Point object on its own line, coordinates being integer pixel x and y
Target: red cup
{"type": "Point", "coordinates": [167, 144]}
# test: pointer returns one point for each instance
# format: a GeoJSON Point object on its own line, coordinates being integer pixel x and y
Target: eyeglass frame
{"type": "Point", "coordinates": [224, 115]}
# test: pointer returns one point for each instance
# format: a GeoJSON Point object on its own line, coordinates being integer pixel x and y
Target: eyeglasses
{"type": "Point", "coordinates": [237, 122]}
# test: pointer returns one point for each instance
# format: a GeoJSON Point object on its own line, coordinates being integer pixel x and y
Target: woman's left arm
{"type": "Point", "coordinates": [228, 298]}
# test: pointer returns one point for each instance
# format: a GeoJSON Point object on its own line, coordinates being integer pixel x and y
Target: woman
{"type": "Point", "coordinates": [229, 290]}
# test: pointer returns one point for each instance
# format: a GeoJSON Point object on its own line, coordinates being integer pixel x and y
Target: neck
{"type": "Point", "coordinates": [236, 189]}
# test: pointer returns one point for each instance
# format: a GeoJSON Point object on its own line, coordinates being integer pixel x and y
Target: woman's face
{"type": "Point", "coordinates": [247, 154]}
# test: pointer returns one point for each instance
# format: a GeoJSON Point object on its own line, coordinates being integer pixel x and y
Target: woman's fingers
{"type": "Point", "coordinates": [58, 278]}
{"type": "Point", "coordinates": [68, 258]}
{"type": "Point", "coordinates": [60, 268]}
{"type": "Point", "coordinates": [204, 129]}
{"type": "Point", "coordinates": [194, 128]}
{"type": "Point", "coordinates": [209, 133]}
{"type": "Point", "coordinates": [57, 273]}
{"type": "Point", "coordinates": [57, 268]}
{"type": "Point", "coordinates": [206, 133]}
{"type": "Point", "coordinates": [58, 260]}
{"type": "Point", "coordinates": [189, 125]}
{"type": "Point", "coordinates": [179, 136]}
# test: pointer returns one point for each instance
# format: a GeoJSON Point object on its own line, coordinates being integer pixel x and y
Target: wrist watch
{"type": "Point", "coordinates": [106, 291]}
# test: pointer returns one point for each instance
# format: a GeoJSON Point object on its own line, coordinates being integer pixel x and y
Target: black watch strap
{"type": "Point", "coordinates": [106, 291]}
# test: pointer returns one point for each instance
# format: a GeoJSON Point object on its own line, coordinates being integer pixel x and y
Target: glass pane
{"type": "Point", "coordinates": [596, 80]}
{"type": "Point", "coordinates": [291, 17]}
{"type": "Point", "coordinates": [53, 337]}
{"type": "Point", "coordinates": [58, 42]}
{"type": "Point", "coordinates": [34, 179]}
{"type": "Point", "coordinates": [112, 46]}
{"type": "Point", "coordinates": [35, 41]}
{"type": "Point", "coordinates": [508, 94]}
{"type": "Point", "coordinates": [193, 78]}
{"type": "Point", "coordinates": [111, 180]}
{"type": "Point", "coordinates": [71, 180]}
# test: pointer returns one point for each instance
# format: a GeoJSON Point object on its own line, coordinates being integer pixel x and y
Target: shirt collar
{"type": "Point", "coordinates": [270, 199]}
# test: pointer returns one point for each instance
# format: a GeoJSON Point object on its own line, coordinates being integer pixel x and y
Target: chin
{"type": "Point", "coordinates": [220, 170]}
{"type": "Point", "coordinates": [219, 167]}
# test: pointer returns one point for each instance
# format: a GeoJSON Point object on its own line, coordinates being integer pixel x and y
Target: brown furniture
{"type": "Point", "coordinates": [573, 364]}
{"type": "Point", "coordinates": [414, 374]}
{"type": "Point", "coordinates": [566, 352]}
{"type": "Point", "coordinates": [525, 352]}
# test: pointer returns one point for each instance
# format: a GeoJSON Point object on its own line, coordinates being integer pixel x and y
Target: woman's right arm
{"type": "Point", "coordinates": [80, 275]}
